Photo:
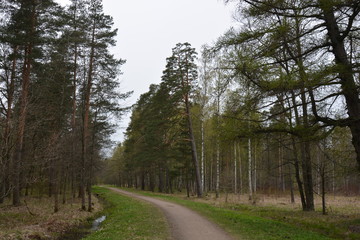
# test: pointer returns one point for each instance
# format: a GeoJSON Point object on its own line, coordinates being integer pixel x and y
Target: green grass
{"type": "Point", "coordinates": [127, 218]}
{"type": "Point", "coordinates": [251, 222]}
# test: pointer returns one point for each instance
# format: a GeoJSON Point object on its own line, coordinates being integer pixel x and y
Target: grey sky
{"type": "Point", "coordinates": [149, 29]}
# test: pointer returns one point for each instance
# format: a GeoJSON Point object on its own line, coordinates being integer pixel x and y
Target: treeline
{"type": "Point", "coordinates": [276, 108]}
{"type": "Point", "coordinates": [58, 88]}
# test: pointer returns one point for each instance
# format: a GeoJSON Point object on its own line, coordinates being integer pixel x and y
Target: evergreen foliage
{"type": "Point", "coordinates": [45, 51]}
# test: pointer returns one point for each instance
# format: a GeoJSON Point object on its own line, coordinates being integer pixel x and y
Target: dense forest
{"type": "Point", "coordinates": [272, 106]}
{"type": "Point", "coordinates": [59, 97]}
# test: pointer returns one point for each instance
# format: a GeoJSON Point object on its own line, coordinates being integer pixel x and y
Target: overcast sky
{"type": "Point", "coordinates": [149, 29]}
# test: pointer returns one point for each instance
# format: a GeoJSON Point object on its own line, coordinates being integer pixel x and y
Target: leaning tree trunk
{"type": "Point", "coordinates": [193, 149]}
{"type": "Point", "coordinates": [19, 144]}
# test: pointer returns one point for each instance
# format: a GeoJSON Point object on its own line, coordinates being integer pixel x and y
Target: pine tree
{"type": "Point", "coordinates": [180, 76]}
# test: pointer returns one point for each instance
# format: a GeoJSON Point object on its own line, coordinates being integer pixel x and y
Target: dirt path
{"type": "Point", "coordinates": [184, 223]}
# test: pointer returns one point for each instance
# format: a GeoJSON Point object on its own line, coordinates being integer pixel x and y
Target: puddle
{"type": "Point", "coordinates": [97, 222]}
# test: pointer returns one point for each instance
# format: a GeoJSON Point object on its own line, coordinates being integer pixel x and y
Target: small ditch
{"type": "Point", "coordinates": [83, 230]}
{"type": "Point", "coordinates": [87, 227]}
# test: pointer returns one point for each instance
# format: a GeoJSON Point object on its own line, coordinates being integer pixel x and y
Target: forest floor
{"type": "Point", "coordinates": [35, 218]}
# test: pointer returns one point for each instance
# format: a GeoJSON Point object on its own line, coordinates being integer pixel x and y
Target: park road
{"type": "Point", "coordinates": [184, 223]}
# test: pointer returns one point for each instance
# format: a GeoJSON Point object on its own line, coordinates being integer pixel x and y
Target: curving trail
{"type": "Point", "coordinates": [184, 223]}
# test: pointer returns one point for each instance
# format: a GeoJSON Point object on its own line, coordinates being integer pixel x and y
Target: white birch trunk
{"type": "Point", "coordinates": [254, 175]}
{"type": "Point", "coordinates": [202, 156]}
{"type": "Point", "coordinates": [240, 168]}
{"type": "Point", "coordinates": [333, 178]}
{"type": "Point", "coordinates": [217, 168]}
{"type": "Point", "coordinates": [218, 149]}
{"type": "Point", "coordinates": [318, 170]}
{"type": "Point", "coordinates": [235, 168]}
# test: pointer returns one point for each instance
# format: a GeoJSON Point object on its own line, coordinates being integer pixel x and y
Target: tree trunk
{"type": "Point", "coordinates": [6, 144]}
{"type": "Point", "coordinates": [307, 176]}
{"type": "Point", "coordinates": [217, 186]}
{"type": "Point", "coordinates": [323, 200]}
{"type": "Point", "coordinates": [250, 170]}
{"type": "Point", "coordinates": [142, 180]}
{"type": "Point", "coordinates": [88, 188]}
{"type": "Point", "coordinates": [240, 169]}
{"type": "Point", "coordinates": [202, 155]}
{"type": "Point", "coordinates": [74, 166]}
{"type": "Point", "coordinates": [161, 180]}
{"type": "Point", "coordinates": [292, 197]}
{"type": "Point", "coordinates": [297, 175]}
{"type": "Point", "coordinates": [280, 167]}
{"type": "Point", "coordinates": [85, 136]}
{"type": "Point", "coordinates": [235, 169]}
{"type": "Point", "coordinates": [348, 85]}
{"type": "Point", "coordinates": [193, 149]}
{"type": "Point", "coordinates": [254, 177]}
{"type": "Point", "coordinates": [211, 175]}
{"type": "Point", "coordinates": [56, 192]}
{"type": "Point", "coordinates": [19, 145]}
{"type": "Point", "coordinates": [64, 188]}
{"type": "Point", "coordinates": [187, 185]}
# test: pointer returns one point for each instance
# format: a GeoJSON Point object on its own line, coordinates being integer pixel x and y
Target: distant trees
{"type": "Point", "coordinates": [58, 87]}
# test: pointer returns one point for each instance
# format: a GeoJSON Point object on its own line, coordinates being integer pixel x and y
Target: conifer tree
{"type": "Point", "coordinates": [180, 76]}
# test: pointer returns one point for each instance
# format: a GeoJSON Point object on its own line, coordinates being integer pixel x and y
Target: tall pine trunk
{"type": "Point", "coordinates": [19, 141]}
{"type": "Point", "coordinates": [85, 136]}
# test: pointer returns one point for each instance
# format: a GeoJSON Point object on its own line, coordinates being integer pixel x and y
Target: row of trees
{"type": "Point", "coordinates": [276, 107]}
{"type": "Point", "coordinates": [58, 89]}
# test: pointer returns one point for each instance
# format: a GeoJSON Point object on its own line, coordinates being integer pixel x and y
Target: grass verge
{"type": "Point", "coordinates": [127, 218]}
{"type": "Point", "coordinates": [252, 222]}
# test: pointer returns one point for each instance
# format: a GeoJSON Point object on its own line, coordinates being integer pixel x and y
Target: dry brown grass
{"type": "Point", "coordinates": [334, 204]}
{"type": "Point", "coordinates": [19, 223]}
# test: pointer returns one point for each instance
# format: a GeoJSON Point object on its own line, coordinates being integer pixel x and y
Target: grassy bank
{"type": "Point", "coordinates": [268, 222]}
{"type": "Point", "coordinates": [127, 218]}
